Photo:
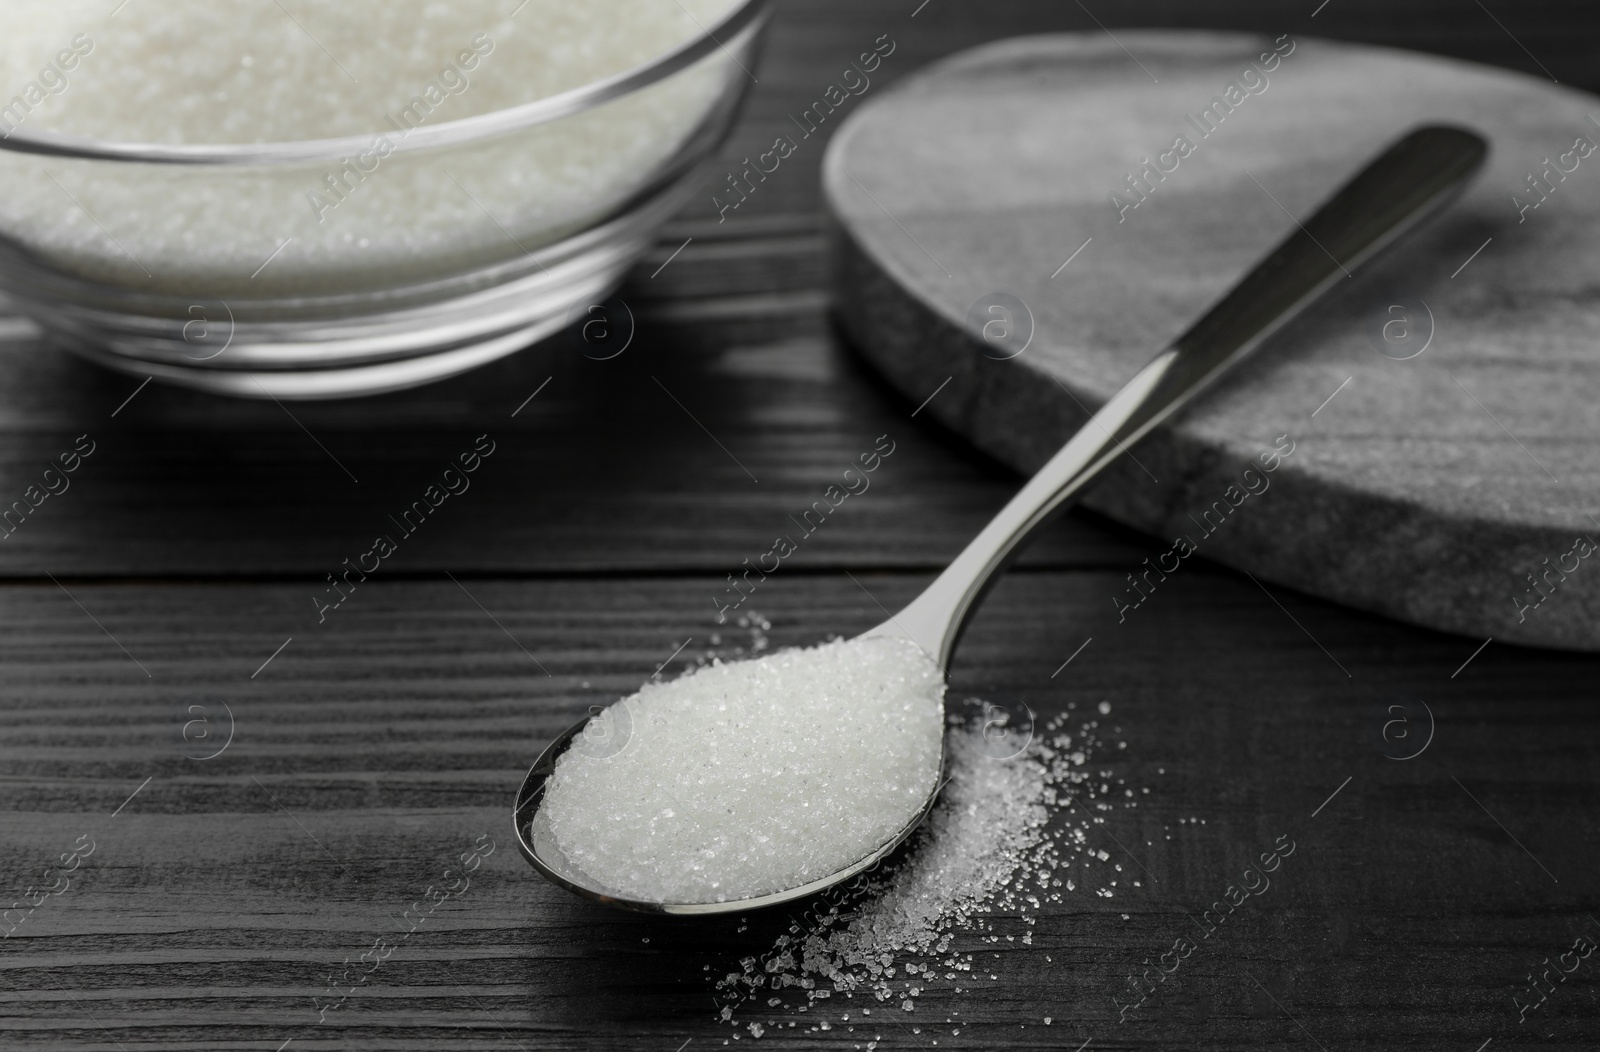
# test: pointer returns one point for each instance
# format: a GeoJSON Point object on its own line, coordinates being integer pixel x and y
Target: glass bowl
{"type": "Point", "coordinates": [357, 265]}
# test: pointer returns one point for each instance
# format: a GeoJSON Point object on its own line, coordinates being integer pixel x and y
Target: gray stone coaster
{"type": "Point", "coordinates": [1443, 406]}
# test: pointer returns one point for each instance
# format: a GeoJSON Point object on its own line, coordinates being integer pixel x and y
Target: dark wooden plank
{"type": "Point", "coordinates": [209, 917]}
{"type": "Point", "coordinates": [644, 462]}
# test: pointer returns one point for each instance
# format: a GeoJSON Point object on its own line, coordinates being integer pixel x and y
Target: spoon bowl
{"type": "Point", "coordinates": [1405, 184]}
{"type": "Point", "coordinates": [538, 846]}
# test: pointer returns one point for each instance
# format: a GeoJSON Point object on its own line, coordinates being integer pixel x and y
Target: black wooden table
{"type": "Point", "coordinates": [251, 785]}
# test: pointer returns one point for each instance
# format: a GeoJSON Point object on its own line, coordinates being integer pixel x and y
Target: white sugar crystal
{"type": "Point", "coordinates": [1001, 824]}
{"type": "Point", "coordinates": [753, 777]}
{"type": "Point", "coordinates": [250, 71]}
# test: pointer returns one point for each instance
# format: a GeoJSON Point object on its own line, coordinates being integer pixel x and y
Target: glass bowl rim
{"type": "Point", "coordinates": [741, 18]}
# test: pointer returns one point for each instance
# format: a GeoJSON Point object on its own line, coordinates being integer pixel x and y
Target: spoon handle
{"type": "Point", "coordinates": [1411, 179]}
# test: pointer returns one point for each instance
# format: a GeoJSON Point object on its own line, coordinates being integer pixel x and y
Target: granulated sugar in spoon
{"type": "Point", "coordinates": [751, 783]}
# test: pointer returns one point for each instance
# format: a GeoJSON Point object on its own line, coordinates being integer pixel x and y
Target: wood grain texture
{"type": "Point", "coordinates": [396, 732]}
{"type": "Point", "coordinates": [1433, 485]}
{"type": "Point", "coordinates": [635, 464]}
{"type": "Point", "coordinates": [209, 915]}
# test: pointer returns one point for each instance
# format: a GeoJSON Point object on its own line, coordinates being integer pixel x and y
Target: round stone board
{"type": "Point", "coordinates": [1036, 218]}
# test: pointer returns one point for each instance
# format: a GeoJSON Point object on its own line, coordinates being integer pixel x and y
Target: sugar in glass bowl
{"type": "Point", "coordinates": [314, 199]}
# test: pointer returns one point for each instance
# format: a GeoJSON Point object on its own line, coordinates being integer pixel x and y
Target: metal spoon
{"type": "Point", "coordinates": [1410, 180]}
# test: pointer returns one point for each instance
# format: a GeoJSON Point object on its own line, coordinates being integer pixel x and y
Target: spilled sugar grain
{"type": "Point", "coordinates": [1010, 834]}
{"type": "Point", "coordinates": [755, 625]}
